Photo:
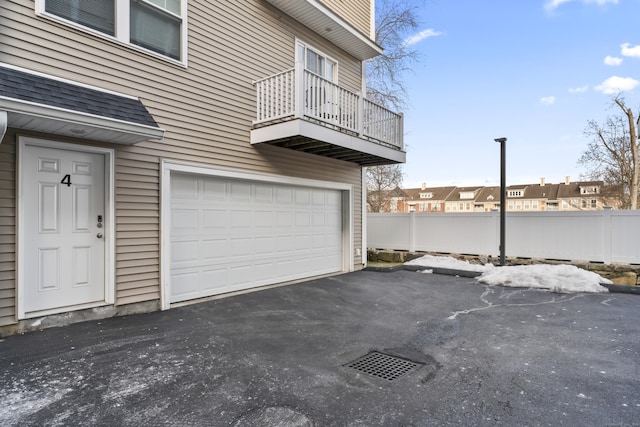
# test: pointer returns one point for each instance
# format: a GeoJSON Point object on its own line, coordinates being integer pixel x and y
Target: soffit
{"type": "Point", "coordinates": [328, 24]}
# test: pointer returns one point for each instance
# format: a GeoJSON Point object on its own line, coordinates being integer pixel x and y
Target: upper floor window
{"type": "Point", "coordinates": [426, 195]}
{"type": "Point", "coordinates": [514, 193]}
{"type": "Point", "coordinates": [467, 194]}
{"type": "Point", "coordinates": [317, 62]}
{"type": "Point", "coordinates": [154, 25]}
{"type": "Point", "coordinates": [590, 190]}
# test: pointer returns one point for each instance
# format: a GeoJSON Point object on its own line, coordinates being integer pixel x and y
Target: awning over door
{"type": "Point", "coordinates": [37, 102]}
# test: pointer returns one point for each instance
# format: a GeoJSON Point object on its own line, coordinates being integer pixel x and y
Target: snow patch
{"type": "Point", "coordinates": [446, 262]}
{"type": "Point", "coordinates": [556, 278]}
{"type": "Point", "coordinates": [560, 278]}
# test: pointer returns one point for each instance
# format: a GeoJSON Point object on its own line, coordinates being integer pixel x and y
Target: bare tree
{"type": "Point", "coordinates": [395, 21]}
{"type": "Point", "coordinates": [612, 155]}
{"type": "Point", "coordinates": [381, 181]}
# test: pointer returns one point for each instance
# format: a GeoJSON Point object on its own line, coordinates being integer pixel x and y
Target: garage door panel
{"type": "Point", "coordinates": [184, 187]}
{"type": "Point", "coordinates": [302, 197]}
{"type": "Point", "coordinates": [214, 219]}
{"type": "Point", "coordinates": [229, 235]}
{"type": "Point", "coordinates": [284, 196]}
{"type": "Point", "coordinates": [303, 219]}
{"type": "Point", "coordinates": [214, 248]}
{"type": "Point", "coordinates": [240, 191]}
{"type": "Point", "coordinates": [264, 193]}
{"type": "Point", "coordinates": [185, 284]}
{"type": "Point", "coordinates": [284, 219]}
{"type": "Point", "coordinates": [184, 252]}
{"type": "Point", "coordinates": [263, 219]}
{"type": "Point", "coordinates": [318, 219]}
{"type": "Point", "coordinates": [264, 245]}
{"type": "Point", "coordinates": [184, 219]}
{"type": "Point", "coordinates": [213, 190]}
{"type": "Point", "coordinates": [241, 218]}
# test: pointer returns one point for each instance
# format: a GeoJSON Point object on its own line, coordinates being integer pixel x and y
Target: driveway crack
{"type": "Point", "coordinates": [489, 290]}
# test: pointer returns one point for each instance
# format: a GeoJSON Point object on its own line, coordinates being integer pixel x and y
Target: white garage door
{"type": "Point", "coordinates": [229, 234]}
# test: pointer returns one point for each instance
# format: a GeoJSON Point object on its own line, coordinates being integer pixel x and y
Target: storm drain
{"type": "Point", "coordinates": [383, 365]}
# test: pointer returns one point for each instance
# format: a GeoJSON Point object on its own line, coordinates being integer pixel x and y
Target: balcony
{"type": "Point", "coordinates": [299, 110]}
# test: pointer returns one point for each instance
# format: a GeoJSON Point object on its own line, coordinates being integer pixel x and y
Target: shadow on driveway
{"type": "Point", "coordinates": [479, 355]}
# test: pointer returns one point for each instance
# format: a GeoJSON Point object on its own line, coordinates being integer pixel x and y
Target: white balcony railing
{"type": "Point", "coordinates": [300, 94]}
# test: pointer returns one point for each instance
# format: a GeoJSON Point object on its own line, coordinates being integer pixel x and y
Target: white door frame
{"type": "Point", "coordinates": [168, 166]}
{"type": "Point", "coordinates": [109, 224]}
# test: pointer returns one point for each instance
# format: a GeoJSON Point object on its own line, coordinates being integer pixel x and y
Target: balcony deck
{"type": "Point", "coordinates": [299, 110]}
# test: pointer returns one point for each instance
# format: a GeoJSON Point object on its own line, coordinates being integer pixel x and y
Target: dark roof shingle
{"type": "Point", "coordinates": [55, 93]}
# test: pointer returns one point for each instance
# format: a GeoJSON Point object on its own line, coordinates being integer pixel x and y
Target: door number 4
{"type": "Point", "coordinates": [66, 180]}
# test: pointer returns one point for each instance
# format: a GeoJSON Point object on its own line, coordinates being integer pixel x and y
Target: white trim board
{"type": "Point", "coordinates": [109, 225]}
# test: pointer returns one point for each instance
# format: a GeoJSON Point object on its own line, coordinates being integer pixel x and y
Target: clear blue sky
{"type": "Point", "coordinates": [534, 71]}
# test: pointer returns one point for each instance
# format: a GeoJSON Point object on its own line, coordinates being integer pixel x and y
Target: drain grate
{"type": "Point", "coordinates": [383, 365]}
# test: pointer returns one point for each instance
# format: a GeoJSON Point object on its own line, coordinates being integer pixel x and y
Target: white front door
{"type": "Point", "coordinates": [63, 210]}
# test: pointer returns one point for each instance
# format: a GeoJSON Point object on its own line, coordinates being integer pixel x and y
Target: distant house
{"type": "Point", "coordinates": [567, 196]}
{"type": "Point", "coordinates": [427, 199]}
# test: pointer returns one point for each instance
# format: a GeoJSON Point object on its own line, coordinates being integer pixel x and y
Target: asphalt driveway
{"type": "Point", "coordinates": [474, 355]}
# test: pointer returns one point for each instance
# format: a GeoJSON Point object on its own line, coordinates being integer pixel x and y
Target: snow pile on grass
{"type": "Point", "coordinates": [446, 262]}
{"type": "Point", "coordinates": [556, 278]}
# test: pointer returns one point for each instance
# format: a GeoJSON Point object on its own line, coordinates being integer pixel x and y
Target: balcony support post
{"type": "Point", "coordinates": [299, 89]}
{"type": "Point", "coordinates": [360, 115]}
{"type": "Point", "coordinates": [400, 140]}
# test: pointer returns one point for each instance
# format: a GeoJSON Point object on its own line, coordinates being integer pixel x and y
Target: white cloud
{"type": "Point", "coordinates": [612, 61]}
{"type": "Point", "coordinates": [554, 4]}
{"type": "Point", "coordinates": [548, 100]}
{"type": "Point", "coordinates": [614, 85]}
{"type": "Point", "coordinates": [424, 34]}
{"type": "Point", "coordinates": [581, 89]}
{"type": "Point", "coordinates": [627, 50]}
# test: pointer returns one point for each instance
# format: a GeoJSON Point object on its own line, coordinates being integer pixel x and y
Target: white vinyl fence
{"type": "Point", "coordinates": [605, 236]}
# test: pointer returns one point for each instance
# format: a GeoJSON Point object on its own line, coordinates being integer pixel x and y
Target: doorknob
{"type": "Point", "coordinates": [99, 235]}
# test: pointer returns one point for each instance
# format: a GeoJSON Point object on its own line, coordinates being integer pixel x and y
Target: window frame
{"type": "Point", "coordinates": [122, 28]}
{"type": "Point", "coordinates": [306, 46]}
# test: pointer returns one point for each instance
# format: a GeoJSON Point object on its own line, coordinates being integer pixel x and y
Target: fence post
{"type": "Point", "coordinates": [412, 231]}
{"type": "Point", "coordinates": [606, 235]}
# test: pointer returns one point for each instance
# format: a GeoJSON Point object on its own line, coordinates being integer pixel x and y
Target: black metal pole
{"type": "Point", "coordinates": [503, 195]}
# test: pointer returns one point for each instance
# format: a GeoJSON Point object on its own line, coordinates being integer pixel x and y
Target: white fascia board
{"type": "Point", "coordinates": [12, 105]}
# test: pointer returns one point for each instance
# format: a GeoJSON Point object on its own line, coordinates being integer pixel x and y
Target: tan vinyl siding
{"type": "Point", "coordinates": [7, 231]}
{"type": "Point", "coordinates": [355, 12]}
{"type": "Point", "coordinates": [206, 110]}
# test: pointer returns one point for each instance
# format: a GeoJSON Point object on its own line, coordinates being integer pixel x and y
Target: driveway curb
{"type": "Point", "coordinates": [622, 289]}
